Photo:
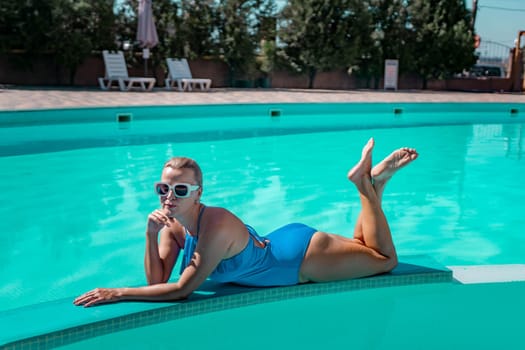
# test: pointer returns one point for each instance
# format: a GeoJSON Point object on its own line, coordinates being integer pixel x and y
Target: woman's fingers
{"type": "Point", "coordinates": [92, 302]}
{"type": "Point", "coordinates": [85, 298]}
{"type": "Point", "coordinates": [160, 218]}
{"type": "Point", "coordinates": [97, 296]}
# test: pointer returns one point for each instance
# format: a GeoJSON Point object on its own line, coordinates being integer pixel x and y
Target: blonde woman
{"type": "Point", "coordinates": [216, 244]}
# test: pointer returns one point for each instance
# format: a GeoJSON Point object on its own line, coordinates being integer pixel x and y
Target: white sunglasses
{"type": "Point", "coordinates": [179, 190]}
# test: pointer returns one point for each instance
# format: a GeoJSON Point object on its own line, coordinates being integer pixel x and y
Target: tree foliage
{"type": "Point", "coordinates": [67, 29]}
{"type": "Point", "coordinates": [430, 37]}
{"type": "Point", "coordinates": [386, 37]}
{"type": "Point", "coordinates": [25, 26]}
{"type": "Point", "coordinates": [199, 28]}
{"type": "Point", "coordinates": [319, 35]}
{"type": "Point", "coordinates": [169, 24]}
{"type": "Point", "coordinates": [237, 38]}
{"type": "Point", "coordinates": [79, 27]}
{"type": "Point", "coordinates": [442, 37]}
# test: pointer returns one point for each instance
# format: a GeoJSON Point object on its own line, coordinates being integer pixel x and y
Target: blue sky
{"type": "Point", "coordinates": [500, 20]}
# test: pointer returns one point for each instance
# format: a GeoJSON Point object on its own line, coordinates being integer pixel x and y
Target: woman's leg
{"type": "Point", "coordinates": [375, 229]}
{"type": "Point", "coordinates": [381, 173]}
{"type": "Point", "coordinates": [332, 257]}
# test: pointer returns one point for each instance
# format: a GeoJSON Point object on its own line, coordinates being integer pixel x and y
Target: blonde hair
{"type": "Point", "coordinates": [186, 163]}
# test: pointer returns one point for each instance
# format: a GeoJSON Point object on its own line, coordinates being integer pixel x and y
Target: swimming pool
{"type": "Point", "coordinates": [89, 175]}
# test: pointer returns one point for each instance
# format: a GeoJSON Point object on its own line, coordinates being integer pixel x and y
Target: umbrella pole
{"type": "Point", "coordinates": [145, 55]}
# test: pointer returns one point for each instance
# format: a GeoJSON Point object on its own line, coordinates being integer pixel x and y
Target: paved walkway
{"type": "Point", "coordinates": [15, 98]}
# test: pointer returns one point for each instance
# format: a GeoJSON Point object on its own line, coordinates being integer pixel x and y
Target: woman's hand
{"type": "Point", "coordinates": [157, 220]}
{"type": "Point", "coordinates": [99, 296]}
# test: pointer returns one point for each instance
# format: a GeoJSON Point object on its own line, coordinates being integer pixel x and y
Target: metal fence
{"type": "Point", "coordinates": [494, 53]}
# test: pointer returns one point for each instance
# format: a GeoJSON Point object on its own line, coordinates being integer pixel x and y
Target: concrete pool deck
{"type": "Point", "coordinates": [23, 98]}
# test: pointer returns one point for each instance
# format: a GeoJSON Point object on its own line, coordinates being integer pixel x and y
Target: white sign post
{"type": "Point", "coordinates": [391, 73]}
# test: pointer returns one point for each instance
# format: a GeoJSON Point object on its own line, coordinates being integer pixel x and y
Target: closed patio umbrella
{"type": "Point", "coordinates": [146, 32]}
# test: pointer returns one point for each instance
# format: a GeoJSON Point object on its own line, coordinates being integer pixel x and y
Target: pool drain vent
{"type": "Point", "coordinates": [513, 111]}
{"type": "Point", "coordinates": [124, 120]}
{"type": "Point", "coordinates": [275, 113]}
{"type": "Point", "coordinates": [398, 111]}
{"type": "Point", "coordinates": [124, 117]}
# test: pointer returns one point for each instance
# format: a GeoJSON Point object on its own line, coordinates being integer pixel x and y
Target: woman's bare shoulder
{"type": "Point", "coordinates": [219, 214]}
{"type": "Point", "coordinates": [219, 219]}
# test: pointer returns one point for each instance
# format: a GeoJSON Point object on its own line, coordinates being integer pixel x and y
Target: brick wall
{"type": "Point", "coordinates": [45, 72]}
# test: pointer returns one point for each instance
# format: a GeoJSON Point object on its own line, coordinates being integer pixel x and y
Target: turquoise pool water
{"type": "Point", "coordinates": [75, 197]}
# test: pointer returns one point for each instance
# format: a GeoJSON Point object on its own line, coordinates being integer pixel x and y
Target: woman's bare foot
{"type": "Point", "coordinates": [383, 171]}
{"type": "Point", "coordinates": [361, 170]}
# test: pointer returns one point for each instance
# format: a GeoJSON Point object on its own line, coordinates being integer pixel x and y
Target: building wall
{"type": "Point", "coordinates": [44, 72]}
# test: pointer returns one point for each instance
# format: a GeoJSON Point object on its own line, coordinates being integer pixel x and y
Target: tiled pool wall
{"type": "Point", "coordinates": [421, 270]}
{"type": "Point", "coordinates": [35, 131]}
{"type": "Point", "coordinates": [453, 112]}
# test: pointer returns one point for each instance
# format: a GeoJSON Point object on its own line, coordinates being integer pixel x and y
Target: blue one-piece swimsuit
{"type": "Point", "coordinates": [277, 264]}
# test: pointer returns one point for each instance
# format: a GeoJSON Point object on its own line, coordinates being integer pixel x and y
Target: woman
{"type": "Point", "coordinates": [218, 245]}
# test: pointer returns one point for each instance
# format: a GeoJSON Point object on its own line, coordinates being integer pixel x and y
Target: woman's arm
{"type": "Point", "coordinates": [159, 258]}
{"type": "Point", "coordinates": [212, 246]}
{"type": "Point", "coordinates": [156, 292]}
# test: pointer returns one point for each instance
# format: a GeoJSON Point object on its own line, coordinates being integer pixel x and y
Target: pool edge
{"type": "Point", "coordinates": [211, 297]}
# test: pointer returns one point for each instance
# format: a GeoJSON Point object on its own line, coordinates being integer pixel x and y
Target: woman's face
{"type": "Point", "coordinates": [181, 197]}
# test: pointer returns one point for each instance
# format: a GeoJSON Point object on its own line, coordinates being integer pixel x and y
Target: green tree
{"type": "Point", "coordinates": [66, 29]}
{"type": "Point", "coordinates": [441, 36]}
{"type": "Point", "coordinates": [237, 34]}
{"type": "Point", "coordinates": [386, 37]}
{"type": "Point", "coordinates": [198, 28]}
{"type": "Point", "coordinates": [24, 28]}
{"type": "Point", "coordinates": [169, 24]}
{"type": "Point", "coordinates": [321, 35]}
{"type": "Point", "coordinates": [79, 27]}
{"type": "Point", "coordinates": [126, 23]}
{"type": "Point", "coordinates": [267, 36]}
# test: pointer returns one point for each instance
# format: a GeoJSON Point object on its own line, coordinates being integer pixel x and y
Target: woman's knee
{"type": "Point", "coordinates": [391, 263]}
{"type": "Point", "coordinates": [382, 263]}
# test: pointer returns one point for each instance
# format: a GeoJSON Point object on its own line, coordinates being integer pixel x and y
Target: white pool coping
{"type": "Point", "coordinates": [488, 273]}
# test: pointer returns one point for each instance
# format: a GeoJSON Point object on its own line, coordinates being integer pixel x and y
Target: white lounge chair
{"type": "Point", "coordinates": [116, 71]}
{"type": "Point", "coordinates": [179, 73]}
